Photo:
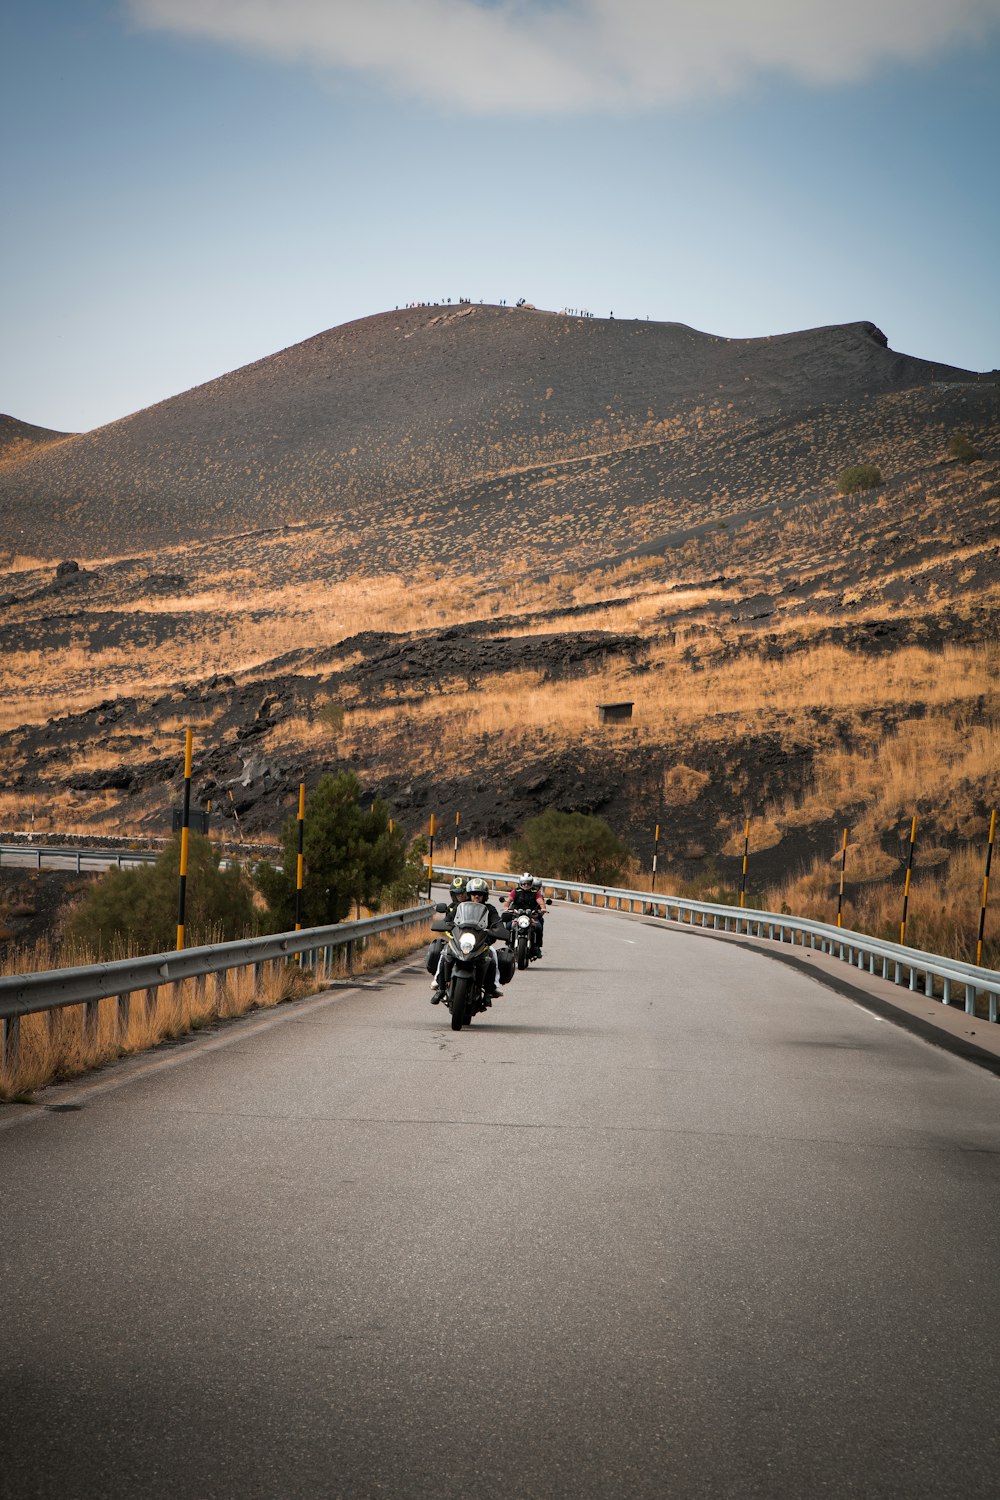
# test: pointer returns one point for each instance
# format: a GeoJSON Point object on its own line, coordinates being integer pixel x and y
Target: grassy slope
{"type": "Point", "coordinates": [811, 661]}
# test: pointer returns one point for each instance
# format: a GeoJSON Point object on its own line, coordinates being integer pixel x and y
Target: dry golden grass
{"type": "Point", "coordinates": [943, 912]}
{"type": "Point", "coordinates": [57, 1045]}
{"type": "Point", "coordinates": [721, 701]}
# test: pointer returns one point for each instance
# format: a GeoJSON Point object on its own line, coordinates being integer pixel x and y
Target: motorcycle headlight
{"type": "Point", "coordinates": [467, 941]}
{"type": "Point", "coordinates": [524, 922]}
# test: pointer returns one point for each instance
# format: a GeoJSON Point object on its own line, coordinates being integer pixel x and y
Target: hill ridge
{"type": "Point", "coordinates": [410, 403]}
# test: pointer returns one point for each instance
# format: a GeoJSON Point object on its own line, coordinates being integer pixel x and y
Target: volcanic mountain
{"type": "Point", "coordinates": [415, 411]}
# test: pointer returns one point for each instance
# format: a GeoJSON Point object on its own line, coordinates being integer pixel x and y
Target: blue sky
{"type": "Point", "coordinates": [189, 185]}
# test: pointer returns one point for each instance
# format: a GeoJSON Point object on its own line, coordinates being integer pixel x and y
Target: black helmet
{"type": "Point", "coordinates": [458, 884]}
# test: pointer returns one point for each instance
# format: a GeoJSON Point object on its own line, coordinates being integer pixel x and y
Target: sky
{"type": "Point", "coordinates": [190, 185]}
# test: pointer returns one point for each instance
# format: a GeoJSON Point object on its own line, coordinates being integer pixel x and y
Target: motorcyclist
{"type": "Point", "coordinates": [456, 894]}
{"type": "Point", "coordinates": [527, 896]}
{"type": "Point", "coordinates": [476, 889]}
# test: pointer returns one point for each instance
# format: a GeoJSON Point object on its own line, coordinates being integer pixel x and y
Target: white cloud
{"type": "Point", "coordinates": [557, 56]}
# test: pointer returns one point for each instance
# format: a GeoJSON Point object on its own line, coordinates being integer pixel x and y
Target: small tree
{"type": "Point", "coordinates": [858, 477]}
{"type": "Point", "coordinates": [960, 446]}
{"type": "Point", "coordinates": [411, 885]}
{"type": "Point", "coordinates": [138, 908]}
{"type": "Point", "coordinates": [350, 856]}
{"type": "Point", "coordinates": [571, 846]}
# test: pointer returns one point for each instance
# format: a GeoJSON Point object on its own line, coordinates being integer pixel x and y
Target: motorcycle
{"type": "Point", "coordinates": [523, 937]}
{"type": "Point", "coordinates": [470, 937]}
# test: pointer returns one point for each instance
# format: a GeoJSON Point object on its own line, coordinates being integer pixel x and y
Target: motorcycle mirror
{"type": "Point", "coordinates": [440, 906]}
{"type": "Point", "coordinates": [548, 901]}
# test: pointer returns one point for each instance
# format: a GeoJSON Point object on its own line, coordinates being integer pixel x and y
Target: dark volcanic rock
{"type": "Point", "coordinates": [413, 402]}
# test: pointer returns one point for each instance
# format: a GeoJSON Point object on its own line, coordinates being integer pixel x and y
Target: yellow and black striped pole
{"type": "Point", "coordinates": [843, 867]}
{"type": "Point", "coordinates": [909, 875]}
{"type": "Point", "coordinates": [458, 819]}
{"type": "Point", "coordinates": [656, 856]}
{"type": "Point", "coordinates": [430, 860]}
{"type": "Point", "coordinates": [299, 858]}
{"type": "Point", "coordinates": [986, 886]}
{"type": "Point", "coordinates": [185, 826]}
{"type": "Point", "coordinates": [746, 851]}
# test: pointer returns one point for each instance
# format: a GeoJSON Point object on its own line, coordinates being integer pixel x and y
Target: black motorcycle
{"type": "Point", "coordinates": [523, 936]}
{"type": "Point", "coordinates": [470, 937]}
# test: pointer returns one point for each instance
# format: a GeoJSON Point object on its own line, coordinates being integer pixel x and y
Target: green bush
{"type": "Point", "coordinates": [332, 715]}
{"type": "Point", "coordinates": [351, 855]}
{"type": "Point", "coordinates": [411, 885]}
{"type": "Point", "coordinates": [857, 477]}
{"type": "Point", "coordinates": [571, 846]}
{"type": "Point", "coordinates": [961, 447]}
{"type": "Point", "coordinates": [137, 909]}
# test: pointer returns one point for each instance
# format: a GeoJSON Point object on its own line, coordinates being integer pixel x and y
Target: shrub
{"type": "Point", "coordinates": [571, 846]}
{"type": "Point", "coordinates": [129, 909]}
{"type": "Point", "coordinates": [350, 856]}
{"type": "Point", "coordinates": [961, 447]}
{"type": "Point", "coordinates": [857, 477]}
{"type": "Point", "coordinates": [411, 884]}
{"type": "Point", "coordinates": [332, 715]}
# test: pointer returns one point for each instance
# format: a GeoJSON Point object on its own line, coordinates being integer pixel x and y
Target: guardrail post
{"type": "Point", "coordinates": [946, 996]}
{"type": "Point", "coordinates": [220, 990]}
{"type": "Point", "coordinates": [913, 978]}
{"type": "Point", "coordinates": [993, 1006]}
{"type": "Point", "coordinates": [970, 999]}
{"type": "Point", "coordinates": [10, 1037]}
{"type": "Point", "coordinates": [91, 1011]}
{"type": "Point", "coordinates": [38, 859]}
{"type": "Point", "coordinates": [124, 1006]}
{"type": "Point", "coordinates": [258, 974]}
{"type": "Point", "coordinates": [152, 995]}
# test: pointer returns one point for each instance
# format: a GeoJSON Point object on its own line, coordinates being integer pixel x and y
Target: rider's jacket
{"type": "Point", "coordinates": [495, 922]}
{"type": "Point", "coordinates": [522, 900]}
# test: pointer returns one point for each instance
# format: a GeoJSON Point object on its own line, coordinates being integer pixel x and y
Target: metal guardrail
{"type": "Point", "coordinates": [25, 994]}
{"type": "Point", "coordinates": [84, 858]}
{"type": "Point", "coordinates": [894, 961]}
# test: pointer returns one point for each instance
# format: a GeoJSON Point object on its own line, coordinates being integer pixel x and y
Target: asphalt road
{"type": "Point", "coordinates": [673, 1220]}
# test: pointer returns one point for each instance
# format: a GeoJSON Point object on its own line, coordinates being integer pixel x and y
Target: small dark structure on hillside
{"type": "Point", "coordinates": [613, 713]}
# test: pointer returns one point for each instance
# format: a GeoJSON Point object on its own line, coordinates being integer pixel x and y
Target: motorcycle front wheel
{"type": "Point", "coordinates": [460, 998]}
{"type": "Point", "coordinates": [521, 952]}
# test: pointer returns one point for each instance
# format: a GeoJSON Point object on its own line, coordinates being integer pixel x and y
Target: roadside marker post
{"type": "Point", "coordinates": [185, 827]}
{"type": "Point", "coordinates": [909, 875]}
{"type": "Point", "coordinates": [746, 851]}
{"type": "Point", "coordinates": [299, 862]}
{"type": "Point", "coordinates": [458, 819]}
{"type": "Point", "coordinates": [986, 887]}
{"type": "Point", "coordinates": [656, 856]}
{"type": "Point", "coordinates": [430, 860]}
{"type": "Point", "coordinates": [843, 867]}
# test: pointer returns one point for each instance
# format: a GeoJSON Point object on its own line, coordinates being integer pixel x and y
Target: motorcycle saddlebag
{"type": "Point", "coordinates": [505, 963]}
{"type": "Point", "coordinates": [433, 954]}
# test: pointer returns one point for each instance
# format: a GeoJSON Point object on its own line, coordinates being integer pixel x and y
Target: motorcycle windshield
{"type": "Point", "coordinates": [471, 914]}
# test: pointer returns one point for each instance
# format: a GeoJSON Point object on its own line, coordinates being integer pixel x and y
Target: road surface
{"type": "Point", "coordinates": [672, 1220]}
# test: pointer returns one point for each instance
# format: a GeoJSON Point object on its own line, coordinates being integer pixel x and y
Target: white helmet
{"type": "Point", "coordinates": [526, 881]}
